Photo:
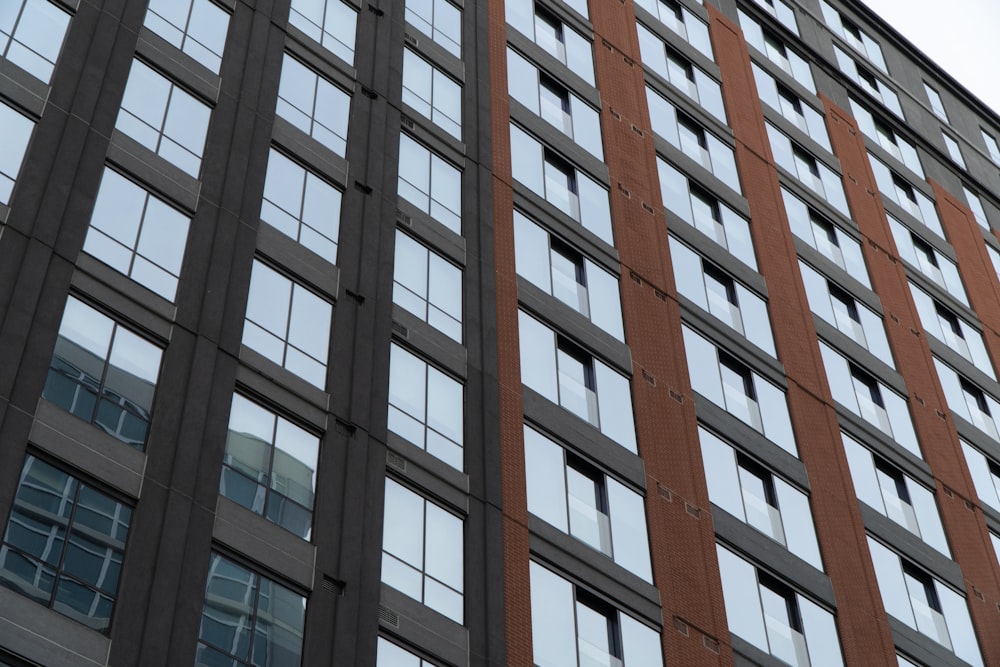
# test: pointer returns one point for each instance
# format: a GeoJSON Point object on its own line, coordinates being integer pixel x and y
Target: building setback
{"type": "Point", "coordinates": [451, 332]}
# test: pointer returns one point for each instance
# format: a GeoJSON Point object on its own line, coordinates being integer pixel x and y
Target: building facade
{"type": "Point", "coordinates": [455, 332]}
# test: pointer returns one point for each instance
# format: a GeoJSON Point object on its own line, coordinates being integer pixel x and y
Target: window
{"type": "Point", "coordinates": [781, 98]}
{"type": "Point", "coordinates": [924, 603]}
{"type": "Point", "coordinates": [994, 258]}
{"type": "Point", "coordinates": [438, 19]}
{"type": "Point", "coordinates": [681, 73]}
{"type": "Point", "coordinates": [31, 35]}
{"type": "Point", "coordinates": [985, 474]}
{"type": "Point", "coordinates": [895, 495]}
{"type": "Point", "coordinates": [735, 388]}
{"type": "Point", "coordinates": [976, 205]}
{"type": "Point", "coordinates": [422, 552]}
{"type": "Point", "coordinates": [164, 118]}
{"type": "Point", "coordinates": [876, 129]}
{"type": "Point", "coordinates": [564, 186]}
{"type": "Point", "coordinates": [137, 234]}
{"type": "Point", "coordinates": [64, 544]}
{"type": "Point", "coordinates": [560, 270]}
{"type": "Point", "coordinates": [770, 615]}
{"type": "Point", "coordinates": [716, 292]}
{"type": "Point", "coordinates": [432, 93]}
{"type": "Point", "coordinates": [301, 206]}
{"type": "Point", "coordinates": [837, 307]}
{"type": "Point", "coordinates": [562, 42]}
{"type": "Point", "coordinates": [430, 183]}
{"type": "Point", "coordinates": [866, 79]}
{"type": "Point", "coordinates": [288, 324]}
{"type": "Point", "coordinates": [103, 373]}
{"type": "Point", "coordinates": [571, 626]}
{"type": "Point", "coordinates": [314, 105]}
{"type": "Point", "coordinates": [688, 136]}
{"type": "Point", "coordinates": [580, 500]}
{"type": "Point", "coordinates": [554, 103]}
{"type": "Point", "coordinates": [703, 211]}
{"type": "Point", "coordinates": [868, 398]}
{"type": "Point", "coordinates": [332, 23]}
{"type": "Point", "coordinates": [428, 286]}
{"type": "Point", "coordinates": [390, 655]}
{"type": "Point", "coordinates": [196, 27]}
{"type": "Point", "coordinates": [954, 151]}
{"type": "Point", "coordinates": [826, 238]}
{"type": "Point", "coordinates": [248, 619]}
{"type": "Point", "coordinates": [860, 40]}
{"type": "Point", "coordinates": [425, 407]}
{"type": "Point", "coordinates": [937, 106]}
{"type": "Point", "coordinates": [953, 331]}
{"type": "Point", "coordinates": [754, 495]}
{"type": "Point", "coordinates": [682, 22]}
{"type": "Point", "coordinates": [898, 190]}
{"type": "Point", "coordinates": [270, 466]}
{"type": "Point", "coordinates": [991, 145]}
{"type": "Point", "coordinates": [782, 11]}
{"type": "Point", "coordinates": [565, 374]}
{"type": "Point", "coordinates": [812, 173]}
{"type": "Point", "coordinates": [13, 145]}
{"type": "Point", "coordinates": [774, 48]}
{"type": "Point", "coordinates": [932, 264]}
{"type": "Point", "coordinates": [968, 400]}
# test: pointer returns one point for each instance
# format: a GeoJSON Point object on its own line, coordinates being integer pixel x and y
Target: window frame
{"type": "Point", "coordinates": [206, 54]}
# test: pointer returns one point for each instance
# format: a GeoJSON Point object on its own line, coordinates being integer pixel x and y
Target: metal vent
{"type": "Point", "coordinates": [681, 626]}
{"type": "Point", "coordinates": [692, 510]}
{"type": "Point", "coordinates": [677, 396]}
{"type": "Point", "coordinates": [399, 329]}
{"type": "Point", "coordinates": [711, 644]}
{"type": "Point", "coordinates": [660, 295]}
{"type": "Point", "coordinates": [648, 377]}
{"type": "Point", "coordinates": [665, 492]}
{"type": "Point", "coordinates": [403, 219]}
{"type": "Point", "coordinates": [410, 39]}
{"type": "Point", "coordinates": [388, 616]}
{"type": "Point", "coordinates": [396, 461]}
{"type": "Point", "coordinates": [407, 123]}
{"type": "Point", "coordinates": [332, 585]}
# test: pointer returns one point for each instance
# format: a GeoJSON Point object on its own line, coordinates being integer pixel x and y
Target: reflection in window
{"type": "Point", "coordinates": [314, 105]}
{"type": "Point", "coordinates": [580, 500]}
{"type": "Point", "coordinates": [438, 19]}
{"type": "Point", "coordinates": [137, 234]}
{"type": "Point", "coordinates": [826, 238]}
{"type": "Point", "coordinates": [780, 97]}
{"type": "Point", "coordinates": [164, 118]}
{"type": "Point", "coordinates": [546, 30]}
{"type": "Point", "coordinates": [332, 23]}
{"type": "Point", "coordinates": [428, 286]}
{"type": "Point", "coordinates": [288, 324]}
{"type": "Point", "coordinates": [422, 551]}
{"type": "Point", "coordinates": [992, 147]}
{"type": "Point", "coordinates": [564, 373]}
{"type": "Point", "coordinates": [866, 79]}
{"type": "Point", "coordinates": [901, 191]}
{"type": "Point", "coordinates": [774, 48]}
{"type": "Point", "coordinates": [942, 323]}
{"type": "Point", "coordinates": [31, 35]}
{"type": "Point", "coordinates": [933, 264]}
{"type": "Point", "coordinates": [985, 473]}
{"type": "Point", "coordinates": [878, 130]}
{"type": "Point", "coordinates": [248, 619]}
{"type": "Point", "coordinates": [954, 151]}
{"type": "Point", "coordinates": [13, 144]}
{"type": "Point", "coordinates": [432, 93]}
{"type": "Point", "coordinates": [937, 106]}
{"type": "Point", "coordinates": [976, 206]}
{"type": "Point", "coordinates": [64, 545]}
{"type": "Point", "coordinates": [681, 73]}
{"type": "Point", "coordinates": [753, 494]}
{"type": "Point", "coordinates": [969, 401]}
{"type": "Point", "coordinates": [860, 40]}
{"type": "Point", "coordinates": [103, 373]}
{"type": "Point", "coordinates": [782, 11]}
{"type": "Point", "coordinates": [301, 206]}
{"type": "Point", "coordinates": [196, 27]}
{"type": "Point", "coordinates": [430, 183]}
{"type": "Point", "coordinates": [389, 654]}
{"type": "Point", "coordinates": [270, 466]}
{"type": "Point", "coordinates": [812, 173]}
{"type": "Point", "coordinates": [682, 22]}
{"type": "Point", "coordinates": [426, 407]}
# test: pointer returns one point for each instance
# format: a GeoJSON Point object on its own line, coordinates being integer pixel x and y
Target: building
{"type": "Point", "coordinates": [637, 332]}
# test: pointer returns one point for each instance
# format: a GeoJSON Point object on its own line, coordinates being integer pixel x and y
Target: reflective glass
{"type": "Point", "coordinates": [196, 27]}
{"type": "Point", "coordinates": [314, 105]}
{"type": "Point", "coordinates": [438, 19]}
{"type": "Point", "coordinates": [13, 145]}
{"type": "Point", "coordinates": [428, 286]}
{"type": "Point", "coordinates": [432, 93]}
{"type": "Point", "coordinates": [332, 23]}
{"type": "Point", "coordinates": [430, 183]}
{"type": "Point", "coordinates": [31, 35]}
{"type": "Point", "coordinates": [301, 205]}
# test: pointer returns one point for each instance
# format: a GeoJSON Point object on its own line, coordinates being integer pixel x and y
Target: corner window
{"type": "Point", "coordinates": [32, 34]}
{"type": "Point", "coordinates": [895, 495]}
{"type": "Point", "coordinates": [438, 19]}
{"type": "Point", "coordinates": [968, 400]}
{"type": "Point", "coordinates": [574, 496]}
{"type": "Point", "coordinates": [878, 130]}
{"type": "Point", "coordinates": [103, 373]}
{"type": "Point", "coordinates": [682, 22]}
{"type": "Point", "coordinates": [546, 30]}
{"type": "Point", "coordinates": [288, 324]}
{"type": "Point", "coordinates": [753, 494]}
{"type": "Point", "coordinates": [812, 173]}
{"type": "Point", "coordinates": [934, 265]}
{"type": "Point", "coordinates": [976, 206]}
{"type": "Point", "coordinates": [897, 189]}
{"type": "Point", "coordinates": [772, 616]}
{"type": "Point", "coordinates": [826, 238]}
{"type": "Point", "coordinates": [426, 407]}
{"type": "Point", "coordinates": [776, 51]}
{"type": "Point", "coordinates": [314, 105]}
{"type": "Point", "coordinates": [780, 97]}
{"type": "Point", "coordinates": [163, 118]}
{"type": "Point", "coordinates": [270, 466]}
{"type": "Point", "coordinates": [13, 146]}
{"type": "Point", "coordinates": [571, 626]}
{"type": "Point", "coordinates": [196, 27]}
{"type": "Point", "coordinates": [942, 323]}
{"type": "Point", "coordinates": [422, 551]}
{"type": "Point", "coordinates": [432, 93]}
{"type": "Point", "coordinates": [427, 285]}
{"type": "Point", "coordinates": [430, 183]}
{"type": "Point", "coordinates": [564, 373]}
{"type": "Point", "coordinates": [867, 81]}
{"type": "Point", "coordinates": [137, 234]}
{"type": "Point", "coordinates": [560, 270]}
{"type": "Point", "coordinates": [859, 40]}
{"type": "Point", "coordinates": [64, 545]}
{"type": "Point", "coordinates": [927, 605]}
{"type": "Point", "coordinates": [937, 106]}
{"type": "Point", "coordinates": [992, 147]}
{"type": "Point", "coordinates": [681, 73]}
{"type": "Point", "coordinates": [248, 619]}
{"type": "Point", "coordinates": [332, 23]}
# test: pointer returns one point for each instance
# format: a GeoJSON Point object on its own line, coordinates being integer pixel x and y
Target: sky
{"type": "Point", "coordinates": [959, 35]}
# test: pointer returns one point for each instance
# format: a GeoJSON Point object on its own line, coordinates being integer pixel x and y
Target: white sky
{"type": "Point", "coordinates": [959, 35]}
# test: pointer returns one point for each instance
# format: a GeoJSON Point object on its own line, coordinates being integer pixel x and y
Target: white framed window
{"type": "Point", "coordinates": [774, 48]}
{"type": "Point", "coordinates": [942, 323]}
{"type": "Point", "coordinates": [422, 551]}
{"type": "Point", "coordinates": [682, 22]}
{"type": "Point", "coordinates": [935, 266]}
{"type": "Point", "coordinates": [682, 74]}
{"type": "Point", "coordinates": [825, 237]}
{"type": "Point", "coordinates": [558, 39]}
{"type": "Point", "coordinates": [430, 183]}
{"type": "Point", "coordinates": [573, 495]}
{"type": "Point", "coordinates": [313, 104]}
{"type": "Point", "coordinates": [859, 40]}
{"type": "Point", "coordinates": [876, 129]}
{"type": "Point", "coordinates": [782, 99]}
{"type": "Point", "coordinates": [438, 19]}
{"type": "Point", "coordinates": [812, 173]}
{"type": "Point", "coordinates": [332, 23]}
{"type": "Point", "coordinates": [868, 81]}
{"type": "Point", "coordinates": [427, 285]}
{"type": "Point", "coordinates": [433, 94]}
{"type": "Point", "coordinates": [196, 27]}
{"type": "Point", "coordinates": [32, 34]}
